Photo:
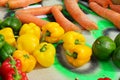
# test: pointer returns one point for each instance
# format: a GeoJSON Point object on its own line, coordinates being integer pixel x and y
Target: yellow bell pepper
{"type": "Point", "coordinates": [79, 55]}
{"type": "Point", "coordinates": [9, 35]}
{"type": "Point", "coordinates": [28, 61]}
{"type": "Point", "coordinates": [27, 42]}
{"type": "Point", "coordinates": [45, 54]}
{"type": "Point", "coordinates": [52, 32]}
{"type": "Point", "coordinates": [30, 28]}
{"type": "Point", "coordinates": [72, 38]}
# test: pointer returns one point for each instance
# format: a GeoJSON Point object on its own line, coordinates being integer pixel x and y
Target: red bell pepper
{"type": "Point", "coordinates": [105, 78]}
{"type": "Point", "coordinates": [11, 69]}
{"type": "Point", "coordinates": [17, 76]}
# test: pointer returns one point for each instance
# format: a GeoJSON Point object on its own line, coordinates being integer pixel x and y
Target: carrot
{"type": "Point", "coordinates": [64, 22]}
{"type": "Point", "coordinates": [103, 3]}
{"type": "Point", "coordinates": [106, 13]}
{"type": "Point", "coordinates": [74, 10]}
{"type": "Point", "coordinates": [37, 11]}
{"type": "Point", "coordinates": [27, 18]}
{"type": "Point", "coordinates": [29, 15]}
{"type": "Point", "coordinates": [115, 8]}
{"type": "Point", "coordinates": [13, 4]}
{"type": "Point", "coordinates": [3, 2]}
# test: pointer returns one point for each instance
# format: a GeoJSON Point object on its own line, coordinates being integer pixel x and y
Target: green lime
{"type": "Point", "coordinates": [116, 57]}
{"type": "Point", "coordinates": [117, 40]}
{"type": "Point", "coordinates": [103, 47]}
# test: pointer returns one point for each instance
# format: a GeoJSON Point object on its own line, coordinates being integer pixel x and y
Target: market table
{"type": "Point", "coordinates": [59, 71]}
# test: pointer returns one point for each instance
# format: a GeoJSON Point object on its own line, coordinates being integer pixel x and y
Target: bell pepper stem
{"type": "Point", "coordinates": [44, 35]}
{"type": "Point", "coordinates": [43, 49]}
{"type": "Point", "coordinates": [16, 36]}
{"type": "Point", "coordinates": [77, 42]}
{"type": "Point", "coordinates": [74, 55]}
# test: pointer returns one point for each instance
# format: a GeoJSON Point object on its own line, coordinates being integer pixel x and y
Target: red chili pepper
{"type": "Point", "coordinates": [11, 69]}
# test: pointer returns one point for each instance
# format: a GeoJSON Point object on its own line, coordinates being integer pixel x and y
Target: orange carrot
{"type": "Point", "coordinates": [36, 11]}
{"type": "Point", "coordinates": [115, 8]}
{"type": "Point", "coordinates": [103, 3]}
{"type": "Point", "coordinates": [29, 15]}
{"type": "Point", "coordinates": [20, 3]}
{"type": "Point", "coordinates": [3, 2]}
{"type": "Point", "coordinates": [74, 10]}
{"type": "Point", "coordinates": [64, 22]}
{"type": "Point", "coordinates": [106, 13]}
{"type": "Point", "coordinates": [27, 18]}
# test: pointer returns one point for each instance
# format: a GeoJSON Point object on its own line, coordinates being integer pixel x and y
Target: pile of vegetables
{"type": "Point", "coordinates": [11, 67]}
{"type": "Point", "coordinates": [29, 45]}
{"type": "Point", "coordinates": [26, 41]}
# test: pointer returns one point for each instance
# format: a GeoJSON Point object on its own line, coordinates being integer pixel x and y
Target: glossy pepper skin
{"type": "Point", "coordinates": [52, 32]}
{"type": "Point", "coordinates": [6, 66]}
{"type": "Point", "coordinates": [30, 28]}
{"type": "Point", "coordinates": [9, 35]}
{"type": "Point", "coordinates": [45, 54]}
{"type": "Point", "coordinates": [11, 70]}
{"type": "Point", "coordinates": [6, 50]}
{"type": "Point", "coordinates": [12, 22]}
{"type": "Point", "coordinates": [28, 61]}
{"type": "Point", "coordinates": [79, 55]}
{"type": "Point", "coordinates": [27, 42]}
{"type": "Point", "coordinates": [2, 40]}
{"type": "Point", "coordinates": [22, 75]}
{"type": "Point", "coordinates": [72, 38]}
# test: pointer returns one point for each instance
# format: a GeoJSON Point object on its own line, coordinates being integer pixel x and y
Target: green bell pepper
{"type": "Point", "coordinates": [12, 22]}
{"type": "Point", "coordinates": [5, 51]}
{"type": "Point", "coordinates": [2, 41]}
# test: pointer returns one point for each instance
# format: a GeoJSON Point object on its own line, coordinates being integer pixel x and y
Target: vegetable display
{"type": "Point", "coordinates": [27, 42]}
